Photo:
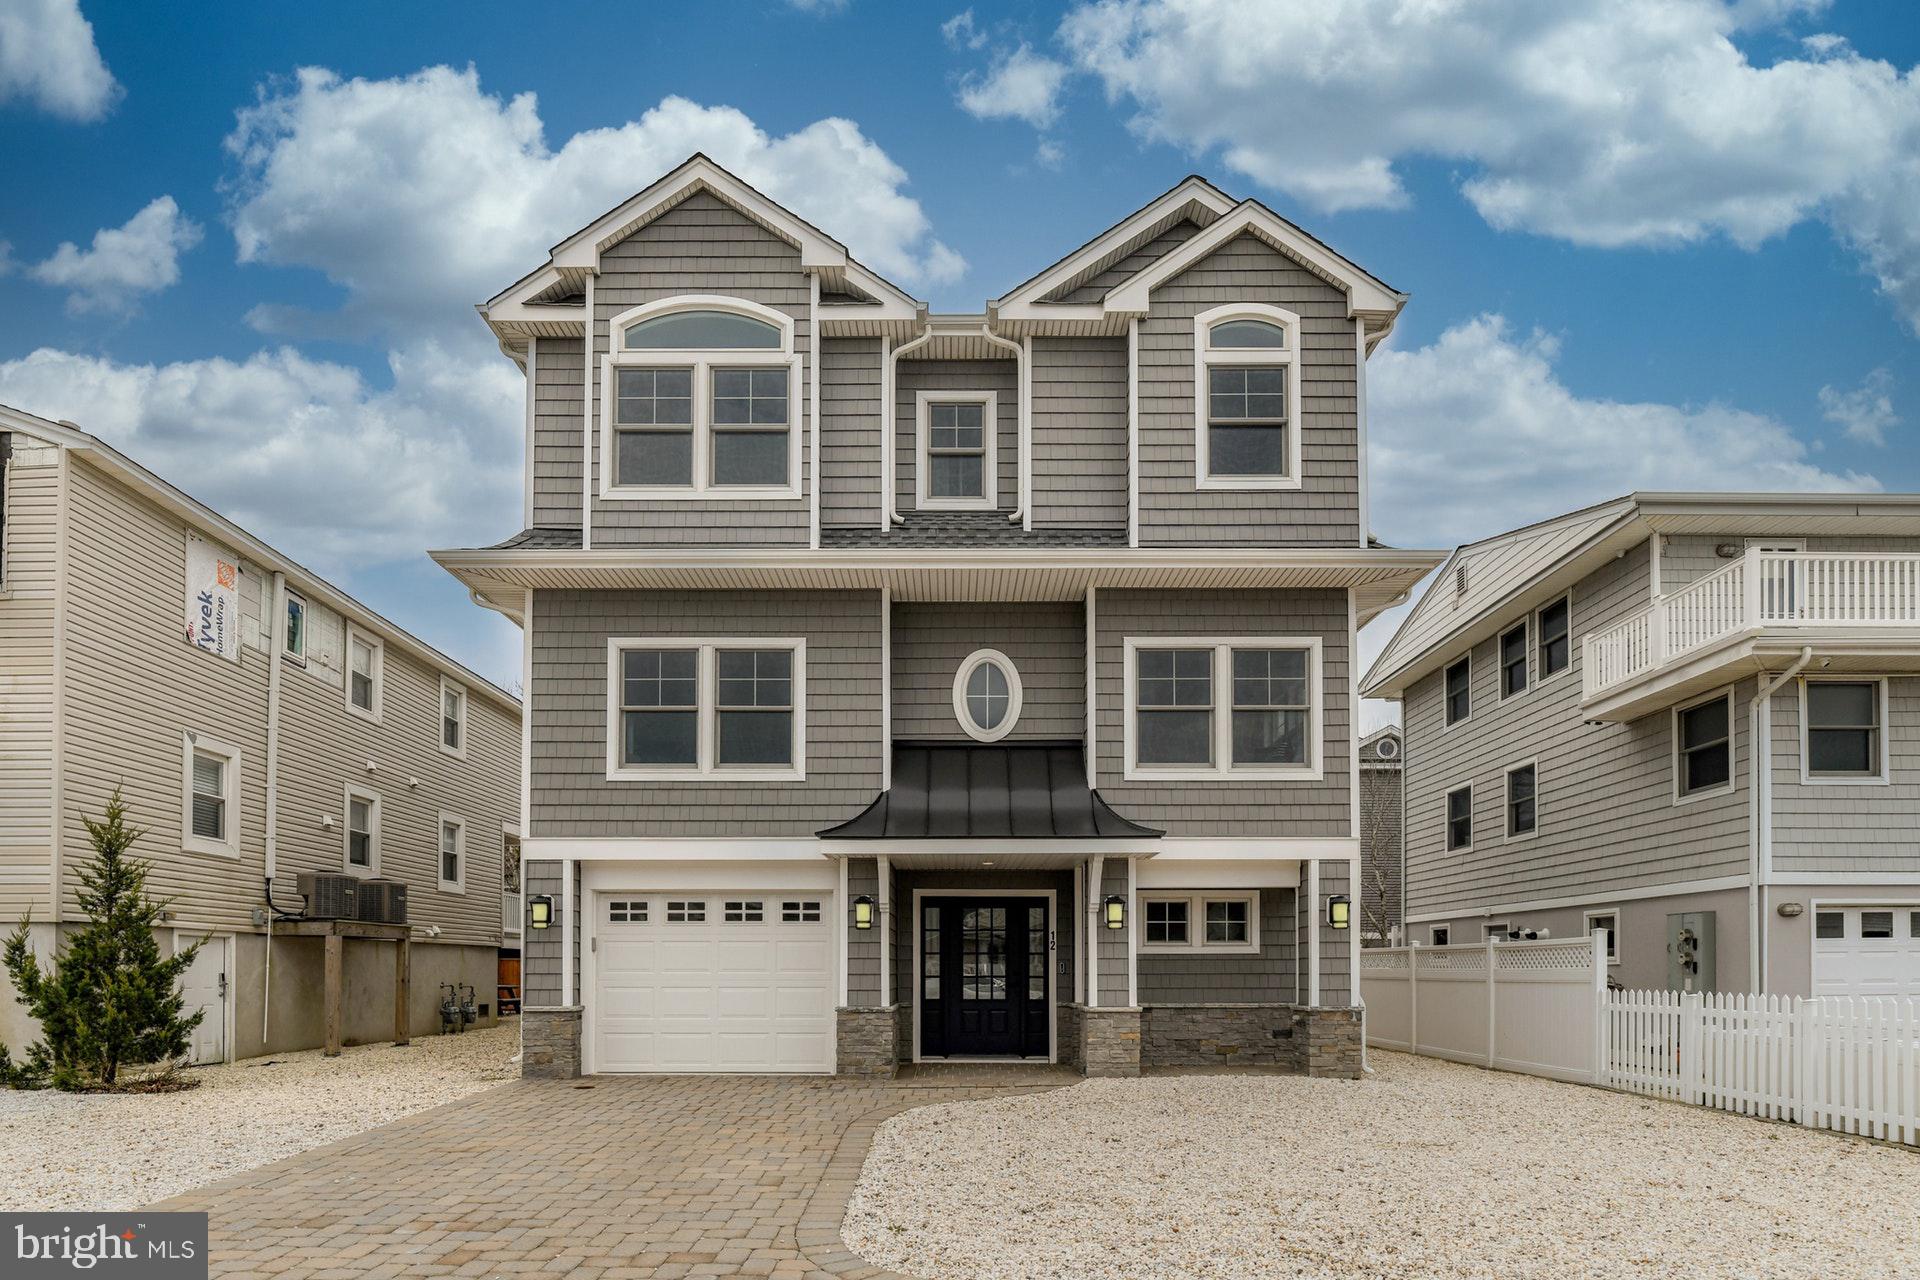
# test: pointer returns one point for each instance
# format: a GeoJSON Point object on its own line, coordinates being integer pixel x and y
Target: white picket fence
{"type": "Point", "coordinates": [1543, 1008]}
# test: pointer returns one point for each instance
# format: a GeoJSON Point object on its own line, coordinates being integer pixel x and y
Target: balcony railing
{"type": "Point", "coordinates": [510, 914]}
{"type": "Point", "coordinates": [1759, 591]}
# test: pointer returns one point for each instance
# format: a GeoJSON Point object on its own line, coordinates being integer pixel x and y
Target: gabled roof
{"type": "Point", "coordinates": [206, 519]}
{"type": "Point", "coordinates": [1192, 199]}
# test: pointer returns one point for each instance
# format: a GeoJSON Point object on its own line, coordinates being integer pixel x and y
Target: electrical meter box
{"type": "Point", "coordinates": [1691, 947]}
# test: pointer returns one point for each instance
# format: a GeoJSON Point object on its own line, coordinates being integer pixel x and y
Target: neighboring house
{"type": "Point", "coordinates": [287, 729]}
{"type": "Point", "coordinates": [1689, 720]}
{"type": "Point", "coordinates": [912, 686]}
{"type": "Point", "coordinates": [1382, 846]}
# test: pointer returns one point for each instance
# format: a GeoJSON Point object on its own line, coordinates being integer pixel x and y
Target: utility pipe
{"type": "Point", "coordinates": [1023, 432]}
{"type": "Point", "coordinates": [1760, 841]}
{"type": "Point", "coordinates": [889, 427]}
{"type": "Point", "coordinates": [276, 649]}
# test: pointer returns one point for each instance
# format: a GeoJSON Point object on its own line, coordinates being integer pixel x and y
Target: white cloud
{"type": "Point", "coordinates": [1602, 122]}
{"type": "Point", "coordinates": [1479, 421]}
{"type": "Point", "coordinates": [422, 195]}
{"type": "Point", "coordinates": [820, 6]}
{"type": "Point", "coordinates": [1020, 85]}
{"type": "Point", "coordinates": [48, 58]}
{"type": "Point", "coordinates": [961, 32]}
{"type": "Point", "coordinates": [304, 452]}
{"type": "Point", "coordinates": [1866, 412]}
{"type": "Point", "coordinates": [140, 257]}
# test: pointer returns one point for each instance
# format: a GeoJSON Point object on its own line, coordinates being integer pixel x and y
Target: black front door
{"type": "Point", "coordinates": [983, 977]}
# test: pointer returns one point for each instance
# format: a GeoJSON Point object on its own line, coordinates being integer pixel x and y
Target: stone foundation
{"type": "Point", "coordinates": [1110, 1042]}
{"type": "Point", "coordinates": [1328, 1042]}
{"type": "Point", "coordinates": [868, 1041]}
{"type": "Point", "coordinates": [1218, 1035]}
{"type": "Point", "coordinates": [1067, 1033]}
{"type": "Point", "coordinates": [550, 1042]}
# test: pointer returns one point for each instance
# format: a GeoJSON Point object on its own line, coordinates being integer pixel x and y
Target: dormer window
{"type": "Point", "coordinates": [1246, 392]}
{"type": "Point", "coordinates": [701, 399]}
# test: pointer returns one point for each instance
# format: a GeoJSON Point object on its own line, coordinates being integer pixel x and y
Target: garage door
{"type": "Point", "coordinates": [1867, 951]}
{"type": "Point", "coordinates": [713, 982]}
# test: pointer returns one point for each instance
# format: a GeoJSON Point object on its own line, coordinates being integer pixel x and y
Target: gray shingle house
{"type": "Point", "coordinates": [1691, 721]}
{"type": "Point", "coordinates": [913, 687]}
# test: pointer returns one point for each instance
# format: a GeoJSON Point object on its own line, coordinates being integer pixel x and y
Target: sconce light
{"type": "Point", "coordinates": [863, 912]}
{"type": "Point", "coordinates": [1339, 911]}
{"type": "Point", "coordinates": [1788, 910]}
{"type": "Point", "coordinates": [540, 911]}
{"type": "Point", "coordinates": [1116, 911]}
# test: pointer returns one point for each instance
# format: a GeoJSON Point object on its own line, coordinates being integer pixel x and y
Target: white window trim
{"type": "Point", "coordinates": [189, 842]}
{"type": "Point", "coordinates": [1467, 658]}
{"type": "Point", "coordinates": [379, 675]}
{"type": "Point", "coordinates": [1681, 796]}
{"type": "Point", "coordinates": [701, 362]}
{"type": "Point", "coordinates": [1196, 901]}
{"type": "Point", "coordinates": [459, 824]}
{"type": "Point", "coordinates": [1506, 809]}
{"type": "Point", "coordinates": [1883, 775]}
{"type": "Point", "coordinates": [1612, 913]}
{"type": "Point", "coordinates": [1222, 768]}
{"type": "Point", "coordinates": [298, 658]}
{"type": "Point", "coordinates": [1205, 355]}
{"type": "Point", "coordinates": [1446, 820]}
{"type": "Point", "coordinates": [1433, 930]}
{"type": "Point", "coordinates": [1540, 674]}
{"type": "Point", "coordinates": [707, 693]}
{"type": "Point", "coordinates": [466, 719]}
{"type": "Point", "coordinates": [1525, 625]}
{"type": "Point", "coordinates": [1015, 695]}
{"type": "Point", "coordinates": [1487, 928]}
{"type": "Point", "coordinates": [371, 871]}
{"type": "Point", "coordinates": [989, 438]}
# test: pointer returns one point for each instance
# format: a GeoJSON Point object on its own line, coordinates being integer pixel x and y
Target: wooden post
{"type": "Point", "coordinates": [335, 978]}
{"type": "Point", "coordinates": [402, 987]}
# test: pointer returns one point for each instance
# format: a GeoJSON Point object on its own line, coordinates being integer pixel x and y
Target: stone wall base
{"type": "Point", "coordinates": [550, 1042]}
{"type": "Point", "coordinates": [1110, 1042]}
{"type": "Point", "coordinates": [1219, 1035]}
{"type": "Point", "coordinates": [868, 1041]}
{"type": "Point", "coordinates": [1328, 1041]}
{"type": "Point", "coordinates": [1068, 1035]}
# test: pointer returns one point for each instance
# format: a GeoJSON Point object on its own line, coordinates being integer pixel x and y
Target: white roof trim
{"type": "Point", "coordinates": [1192, 190]}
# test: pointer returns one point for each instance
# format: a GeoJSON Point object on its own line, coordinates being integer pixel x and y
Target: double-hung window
{"type": "Point", "coordinates": [1522, 800]}
{"type": "Point", "coordinates": [1513, 660]}
{"type": "Point", "coordinates": [365, 660]}
{"type": "Point", "coordinates": [1246, 396]}
{"type": "Point", "coordinates": [733, 708]}
{"type": "Point", "coordinates": [700, 397]}
{"type": "Point", "coordinates": [295, 643]}
{"type": "Point", "coordinates": [360, 844]}
{"type": "Point", "coordinates": [1223, 708]}
{"type": "Point", "coordinates": [453, 854]}
{"type": "Point", "coordinates": [1218, 921]}
{"type": "Point", "coordinates": [1553, 624]}
{"type": "Point", "coordinates": [1703, 746]}
{"type": "Point", "coordinates": [1843, 737]}
{"type": "Point", "coordinates": [210, 797]}
{"type": "Point", "coordinates": [1460, 818]}
{"type": "Point", "coordinates": [956, 468]}
{"type": "Point", "coordinates": [453, 718]}
{"type": "Point", "coordinates": [1459, 691]}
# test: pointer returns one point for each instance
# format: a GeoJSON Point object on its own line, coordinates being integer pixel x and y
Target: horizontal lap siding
{"type": "Point", "coordinates": [1325, 510]}
{"type": "Point", "coordinates": [572, 796]}
{"type": "Point", "coordinates": [1198, 978]}
{"type": "Point", "coordinates": [1834, 829]}
{"type": "Point", "coordinates": [911, 377]}
{"type": "Point", "coordinates": [850, 376]}
{"type": "Point", "coordinates": [1606, 817]}
{"type": "Point", "coordinates": [559, 432]}
{"type": "Point", "coordinates": [26, 679]}
{"type": "Point", "coordinates": [703, 245]}
{"type": "Point", "coordinates": [1079, 433]}
{"type": "Point", "coordinates": [1047, 644]}
{"type": "Point", "coordinates": [1689, 557]}
{"type": "Point", "coordinates": [1209, 807]}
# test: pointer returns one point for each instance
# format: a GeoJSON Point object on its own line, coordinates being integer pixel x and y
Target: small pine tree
{"type": "Point", "coordinates": [111, 1000]}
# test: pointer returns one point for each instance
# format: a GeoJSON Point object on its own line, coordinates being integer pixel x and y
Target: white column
{"type": "Point", "coordinates": [1133, 952]}
{"type": "Point", "coordinates": [1078, 917]}
{"type": "Point", "coordinates": [587, 424]}
{"type": "Point", "coordinates": [567, 934]}
{"type": "Point", "coordinates": [885, 895]}
{"type": "Point", "coordinates": [1095, 883]}
{"type": "Point", "coordinates": [846, 922]}
{"type": "Point", "coordinates": [1313, 934]}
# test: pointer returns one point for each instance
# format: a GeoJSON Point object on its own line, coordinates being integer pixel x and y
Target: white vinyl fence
{"type": "Point", "coordinates": [1543, 1008]}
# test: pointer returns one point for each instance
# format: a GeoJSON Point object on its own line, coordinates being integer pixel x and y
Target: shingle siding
{"type": "Point", "coordinates": [850, 377]}
{"type": "Point", "coordinates": [913, 377]}
{"type": "Point", "coordinates": [1079, 431]}
{"type": "Point", "coordinates": [559, 431]}
{"type": "Point", "coordinates": [1199, 978]}
{"type": "Point", "coordinates": [1846, 829]}
{"type": "Point", "coordinates": [1047, 644]}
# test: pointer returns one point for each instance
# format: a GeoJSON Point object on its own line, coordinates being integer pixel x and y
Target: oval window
{"type": "Point", "coordinates": [986, 695]}
{"type": "Point", "coordinates": [1247, 333]}
{"type": "Point", "coordinates": [702, 330]}
{"type": "Point", "coordinates": [1386, 748]}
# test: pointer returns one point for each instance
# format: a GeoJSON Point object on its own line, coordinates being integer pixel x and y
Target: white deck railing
{"type": "Point", "coordinates": [1759, 590]}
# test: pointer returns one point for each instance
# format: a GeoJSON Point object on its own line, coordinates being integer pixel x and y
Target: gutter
{"type": "Point", "coordinates": [1760, 828]}
{"type": "Point", "coordinates": [1022, 513]}
{"type": "Point", "coordinates": [890, 428]}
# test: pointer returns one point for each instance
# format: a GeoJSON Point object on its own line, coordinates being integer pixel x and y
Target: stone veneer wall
{"type": "Point", "coordinates": [1110, 1042]}
{"type": "Point", "coordinates": [1072, 1053]}
{"type": "Point", "coordinates": [1328, 1042]}
{"type": "Point", "coordinates": [1214, 1035]}
{"type": "Point", "coordinates": [868, 1041]}
{"type": "Point", "coordinates": [550, 1042]}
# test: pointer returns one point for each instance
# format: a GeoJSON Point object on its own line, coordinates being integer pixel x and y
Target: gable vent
{"type": "Point", "coordinates": [1460, 580]}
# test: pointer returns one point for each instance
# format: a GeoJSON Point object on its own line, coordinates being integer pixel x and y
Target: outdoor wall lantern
{"type": "Point", "coordinates": [1116, 911]}
{"type": "Point", "coordinates": [540, 911]}
{"type": "Point", "coordinates": [1339, 911]}
{"type": "Point", "coordinates": [863, 912]}
{"type": "Point", "coordinates": [1788, 910]}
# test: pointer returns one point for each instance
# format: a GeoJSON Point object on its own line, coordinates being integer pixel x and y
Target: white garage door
{"type": "Point", "coordinates": [1867, 951]}
{"type": "Point", "coordinates": [713, 982]}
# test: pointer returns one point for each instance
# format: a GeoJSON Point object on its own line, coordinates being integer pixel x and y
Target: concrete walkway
{"type": "Point", "coordinates": [612, 1177]}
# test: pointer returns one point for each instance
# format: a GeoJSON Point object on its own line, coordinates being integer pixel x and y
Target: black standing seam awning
{"type": "Point", "coordinates": [957, 791]}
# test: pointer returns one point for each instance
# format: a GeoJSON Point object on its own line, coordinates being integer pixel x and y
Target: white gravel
{"type": "Point", "coordinates": [1427, 1169]}
{"type": "Point", "coordinates": [123, 1151]}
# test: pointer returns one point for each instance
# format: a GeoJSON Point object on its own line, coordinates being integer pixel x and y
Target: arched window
{"type": "Point", "coordinates": [702, 330]}
{"type": "Point", "coordinates": [1247, 333]}
{"type": "Point", "coordinates": [986, 695]}
{"type": "Point", "coordinates": [1246, 401]}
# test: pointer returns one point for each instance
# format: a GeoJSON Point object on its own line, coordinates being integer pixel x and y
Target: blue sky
{"type": "Point", "coordinates": [1649, 245]}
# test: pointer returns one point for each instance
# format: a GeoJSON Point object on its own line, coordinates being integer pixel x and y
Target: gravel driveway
{"type": "Point", "coordinates": [1427, 1169]}
{"type": "Point", "coordinates": [108, 1152]}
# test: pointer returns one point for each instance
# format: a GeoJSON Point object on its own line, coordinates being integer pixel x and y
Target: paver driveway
{"type": "Point", "coordinates": [634, 1176]}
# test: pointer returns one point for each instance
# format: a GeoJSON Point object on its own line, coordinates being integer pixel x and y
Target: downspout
{"type": "Point", "coordinates": [1760, 841]}
{"type": "Point", "coordinates": [276, 646]}
{"type": "Point", "coordinates": [890, 428]}
{"type": "Point", "coordinates": [1023, 432]}
{"type": "Point", "coordinates": [813, 412]}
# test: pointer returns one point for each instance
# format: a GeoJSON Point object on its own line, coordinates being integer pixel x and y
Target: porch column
{"type": "Point", "coordinates": [1095, 868]}
{"type": "Point", "coordinates": [1313, 934]}
{"type": "Point", "coordinates": [885, 868]}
